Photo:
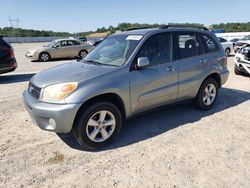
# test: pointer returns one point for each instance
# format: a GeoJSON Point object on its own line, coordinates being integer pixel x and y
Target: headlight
{"type": "Point", "coordinates": [58, 92]}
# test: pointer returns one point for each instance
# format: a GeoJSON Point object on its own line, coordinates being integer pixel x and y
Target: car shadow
{"type": "Point", "coordinates": [15, 78]}
{"type": "Point", "coordinates": [158, 122]}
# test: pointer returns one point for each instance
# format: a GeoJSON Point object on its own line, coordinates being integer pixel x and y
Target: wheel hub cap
{"type": "Point", "coordinates": [100, 126]}
{"type": "Point", "coordinates": [209, 94]}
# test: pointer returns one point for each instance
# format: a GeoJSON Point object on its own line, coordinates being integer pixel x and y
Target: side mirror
{"type": "Point", "coordinates": [142, 62]}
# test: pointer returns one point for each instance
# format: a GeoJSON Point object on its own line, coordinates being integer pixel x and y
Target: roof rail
{"type": "Point", "coordinates": [136, 28]}
{"type": "Point", "coordinates": [183, 26]}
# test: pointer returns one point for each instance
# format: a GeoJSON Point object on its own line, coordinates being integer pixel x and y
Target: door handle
{"type": "Point", "coordinates": [170, 68]}
{"type": "Point", "coordinates": [203, 60]}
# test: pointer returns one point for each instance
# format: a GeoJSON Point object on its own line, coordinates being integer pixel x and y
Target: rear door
{"type": "Point", "coordinates": [59, 50]}
{"type": "Point", "coordinates": [192, 63]}
{"type": "Point", "coordinates": [157, 84]}
{"type": "Point", "coordinates": [73, 48]}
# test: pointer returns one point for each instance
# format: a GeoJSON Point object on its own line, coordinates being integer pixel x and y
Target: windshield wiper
{"type": "Point", "coordinates": [93, 62]}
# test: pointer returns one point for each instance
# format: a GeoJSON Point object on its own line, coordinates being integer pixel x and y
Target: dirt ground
{"type": "Point", "coordinates": [177, 146]}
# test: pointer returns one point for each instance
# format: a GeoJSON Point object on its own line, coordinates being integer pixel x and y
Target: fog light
{"type": "Point", "coordinates": [52, 123]}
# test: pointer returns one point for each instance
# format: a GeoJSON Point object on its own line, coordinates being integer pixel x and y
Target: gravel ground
{"type": "Point", "coordinates": [173, 147]}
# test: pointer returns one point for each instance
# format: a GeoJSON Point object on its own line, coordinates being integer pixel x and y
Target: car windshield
{"type": "Point", "coordinates": [114, 50]}
{"type": "Point", "coordinates": [50, 44]}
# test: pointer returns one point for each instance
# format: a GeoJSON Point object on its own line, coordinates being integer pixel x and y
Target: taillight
{"type": "Point", "coordinates": [11, 53]}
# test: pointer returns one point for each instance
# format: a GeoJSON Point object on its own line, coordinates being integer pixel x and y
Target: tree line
{"type": "Point", "coordinates": [19, 32]}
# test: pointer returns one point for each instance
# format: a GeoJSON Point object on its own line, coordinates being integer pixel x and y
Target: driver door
{"type": "Point", "coordinates": [157, 84]}
{"type": "Point", "coordinates": [59, 50]}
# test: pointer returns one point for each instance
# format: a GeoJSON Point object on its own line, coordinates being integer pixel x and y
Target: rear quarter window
{"type": "Point", "coordinates": [209, 43]}
{"type": "Point", "coordinates": [4, 44]}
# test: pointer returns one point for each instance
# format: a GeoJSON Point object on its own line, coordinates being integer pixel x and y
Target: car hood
{"type": "Point", "coordinates": [73, 71]}
{"type": "Point", "coordinates": [37, 49]}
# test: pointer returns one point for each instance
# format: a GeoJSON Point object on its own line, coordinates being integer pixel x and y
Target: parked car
{"type": "Point", "coordinates": [62, 48]}
{"type": "Point", "coordinates": [234, 40]}
{"type": "Point", "coordinates": [126, 74]}
{"type": "Point", "coordinates": [83, 39]}
{"type": "Point", "coordinates": [239, 44]}
{"type": "Point", "coordinates": [227, 45]}
{"type": "Point", "coordinates": [7, 57]}
{"type": "Point", "coordinates": [242, 61]}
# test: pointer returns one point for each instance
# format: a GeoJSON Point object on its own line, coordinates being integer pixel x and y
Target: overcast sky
{"type": "Point", "coordinates": [84, 15]}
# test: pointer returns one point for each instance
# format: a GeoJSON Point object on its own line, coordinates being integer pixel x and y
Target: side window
{"type": "Point", "coordinates": [209, 43]}
{"type": "Point", "coordinates": [70, 43]}
{"type": "Point", "coordinates": [64, 43]}
{"type": "Point", "coordinates": [76, 42]}
{"type": "Point", "coordinates": [158, 49]}
{"type": "Point", "coordinates": [222, 40]}
{"type": "Point", "coordinates": [188, 45]}
{"type": "Point", "coordinates": [57, 45]}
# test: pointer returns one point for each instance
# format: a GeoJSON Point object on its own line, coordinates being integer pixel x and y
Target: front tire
{"type": "Point", "coordinates": [236, 71]}
{"type": "Point", "coordinates": [207, 94]}
{"type": "Point", "coordinates": [227, 52]}
{"type": "Point", "coordinates": [44, 56]}
{"type": "Point", "coordinates": [97, 125]}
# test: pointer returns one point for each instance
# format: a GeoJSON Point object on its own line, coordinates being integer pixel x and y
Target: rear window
{"type": "Point", "coordinates": [209, 43]}
{"type": "Point", "coordinates": [3, 44]}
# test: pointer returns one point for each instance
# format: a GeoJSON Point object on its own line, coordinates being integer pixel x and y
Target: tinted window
{"type": "Point", "coordinates": [188, 45]}
{"type": "Point", "coordinates": [61, 44]}
{"type": "Point", "coordinates": [4, 44]}
{"type": "Point", "coordinates": [222, 40]}
{"type": "Point", "coordinates": [209, 43]}
{"type": "Point", "coordinates": [157, 48]}
{"type": "Point", "coordinates": [73, 43]}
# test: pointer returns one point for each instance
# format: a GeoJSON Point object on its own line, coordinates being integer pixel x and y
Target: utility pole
{"type": "Point", "coordinates": [14, 23]}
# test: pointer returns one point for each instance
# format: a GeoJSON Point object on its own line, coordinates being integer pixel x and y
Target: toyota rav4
{"type": "Point", "coordinates": [128, 73]}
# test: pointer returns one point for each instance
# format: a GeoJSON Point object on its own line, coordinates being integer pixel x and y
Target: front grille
{"type": "Point", "coordinates": [34, 91]}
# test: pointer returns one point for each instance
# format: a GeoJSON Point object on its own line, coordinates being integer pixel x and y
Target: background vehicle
{"type": "Point", "coordinates": [235, 40]}
{"type": "Point", "coordinates": [126, 74]}
{"type": "Point", "coordinates": [227, 45]}
{"type": "Point", "coordinates": [239, 44]}
{"type": "Point", "coordinates": [62, 48]}
{"type": "Point", "coordinates": [242, 61]}
{"type": "Point", "coordinates": [7, 57]}
{"type": "Point", "coordinates": [83, 39]}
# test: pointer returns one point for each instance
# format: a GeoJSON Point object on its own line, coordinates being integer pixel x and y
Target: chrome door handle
{"type": "Point", "coordinates": [171, 69]}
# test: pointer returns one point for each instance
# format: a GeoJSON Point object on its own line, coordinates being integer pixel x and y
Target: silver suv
{"type": "Point", "coordinates": [128, 73]}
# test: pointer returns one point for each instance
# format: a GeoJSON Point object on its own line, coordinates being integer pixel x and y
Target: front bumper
{"type": "Point", "coordinates": [243, 67]}
{"type": "Point", "coordinates": [31, 56]}
{"type": "Point", "coordinates": [58, 118]}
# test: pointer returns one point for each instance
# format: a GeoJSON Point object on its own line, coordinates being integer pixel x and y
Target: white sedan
{"type": "Point", "coordinates": [227, 45]}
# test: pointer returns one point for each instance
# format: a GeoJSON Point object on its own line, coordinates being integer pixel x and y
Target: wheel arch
{"type": "Point", "coordinates": [44, 52]}
{"type": "Point", "coordinates": [107, 97]}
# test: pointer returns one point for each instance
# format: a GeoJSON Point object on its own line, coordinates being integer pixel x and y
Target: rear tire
{"type": "Point", "coordinates": [97, 125]}
{"type": "Point", "coordinates": [83, 53]}
{"type": "Point", "coordinates": [44, 56]}
{"type": "Point", "coordinates": [207, 94]}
